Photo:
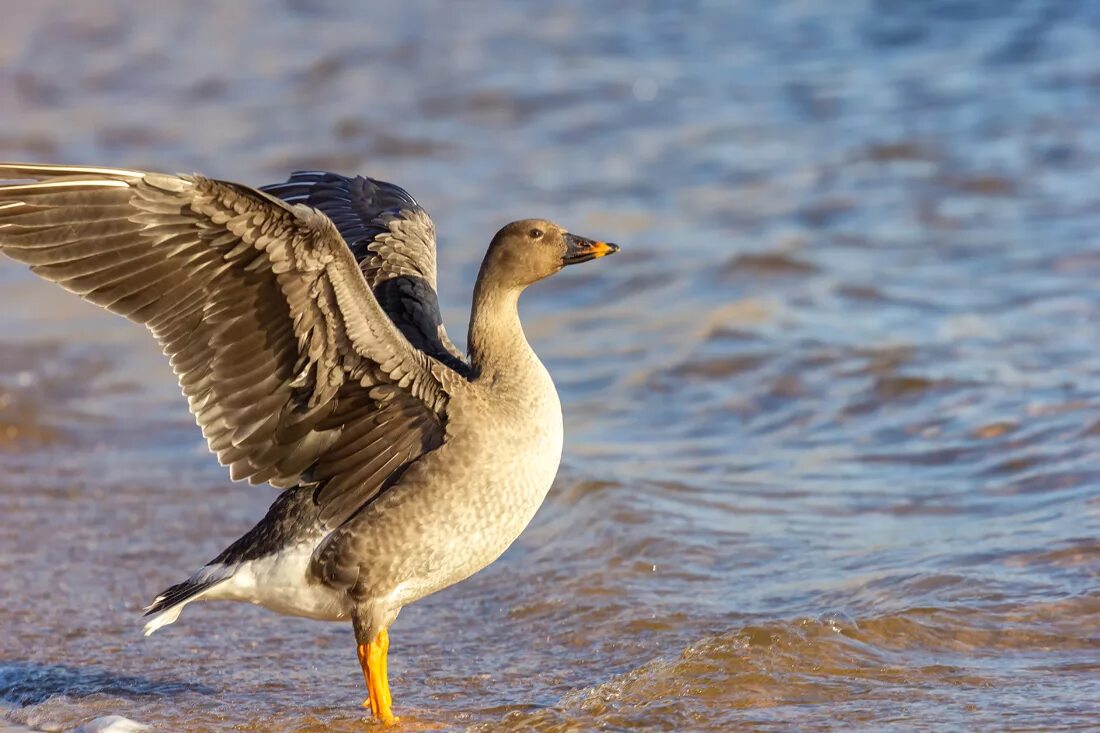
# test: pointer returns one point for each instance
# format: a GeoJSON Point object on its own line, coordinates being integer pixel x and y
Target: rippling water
{"type": "Point", "coordinates": [832, 415]}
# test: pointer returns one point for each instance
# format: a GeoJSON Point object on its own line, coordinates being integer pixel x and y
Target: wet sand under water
{"type": "Point", "coordinates": [832, 416]}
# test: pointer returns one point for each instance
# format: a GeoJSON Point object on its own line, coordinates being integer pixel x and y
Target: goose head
{"type": "Point", "coordinates": [530, 250]}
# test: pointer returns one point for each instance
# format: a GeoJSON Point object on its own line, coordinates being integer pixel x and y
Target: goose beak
{"type": "Point", "coordinates": [579, 249]}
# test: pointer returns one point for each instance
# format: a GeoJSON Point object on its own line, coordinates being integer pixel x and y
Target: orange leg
{"type": "Point", "coordinates": [372, 658]}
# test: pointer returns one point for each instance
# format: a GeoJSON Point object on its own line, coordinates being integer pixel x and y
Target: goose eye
{"type": "Point", "coordinates": [536, 234]}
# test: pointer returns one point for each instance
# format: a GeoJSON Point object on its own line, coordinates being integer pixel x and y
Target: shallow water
{"type": "Point", "coordinates": [832, 415]}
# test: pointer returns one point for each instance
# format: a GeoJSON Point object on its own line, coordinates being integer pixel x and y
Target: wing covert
{"type": "Point", "coordinates": [393, 239]}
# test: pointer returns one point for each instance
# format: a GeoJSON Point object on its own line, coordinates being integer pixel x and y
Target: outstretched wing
{"type": "Point", "coordinates": [393, 239]}
{"type": "Point", "coordinates": [290, 366]}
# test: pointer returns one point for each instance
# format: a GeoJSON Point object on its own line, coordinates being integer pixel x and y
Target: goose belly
{"type": "Point", "coordinates": [281, 582]}
{"type": "Point", "coordinates": [466, 517]}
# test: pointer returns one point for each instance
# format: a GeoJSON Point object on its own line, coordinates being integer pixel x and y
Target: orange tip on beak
{"type": "Point", "coordinates": [579, 249]}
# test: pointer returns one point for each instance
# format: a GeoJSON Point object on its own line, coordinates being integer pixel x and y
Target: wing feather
{"type": "Point", "coordinates": [293, 370]}
{"type": "Point", "coordinates": [393, 239]}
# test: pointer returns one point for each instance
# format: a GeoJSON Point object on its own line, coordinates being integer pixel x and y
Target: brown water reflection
{"type": "Point", "coordinates": [831, 415]}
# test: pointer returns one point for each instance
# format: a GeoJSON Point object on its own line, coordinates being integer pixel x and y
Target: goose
{"type": "Point", "coordinates": [303, 324]}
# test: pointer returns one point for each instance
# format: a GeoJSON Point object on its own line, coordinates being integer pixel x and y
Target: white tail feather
{"type": "Point", "coordinates": [165, 617]}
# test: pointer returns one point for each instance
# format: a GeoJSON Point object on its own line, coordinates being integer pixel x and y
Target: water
{"type": "Point", "coordinates": [832, 415]}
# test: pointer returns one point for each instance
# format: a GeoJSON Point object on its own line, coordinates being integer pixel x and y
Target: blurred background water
{"type": "Point", "coordinates": [832, 416]}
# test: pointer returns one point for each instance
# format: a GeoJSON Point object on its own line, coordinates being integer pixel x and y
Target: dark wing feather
{"type": "Point", "coordinates": [288, 363]}
{"type": "Point", "coordinates": [393, 239]}
{"type": "Point", "coordinates": [383, 431]}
